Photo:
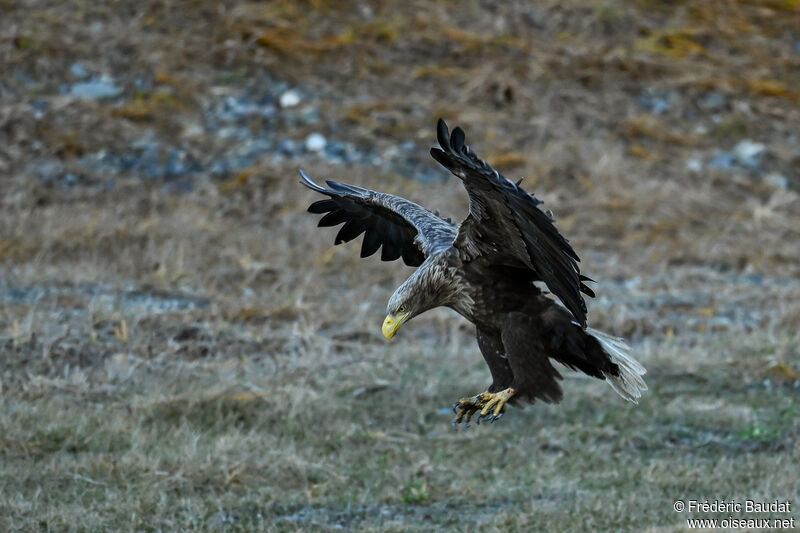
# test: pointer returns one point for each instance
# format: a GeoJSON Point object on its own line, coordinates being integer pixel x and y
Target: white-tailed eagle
{"type": "Point", "coordinates": [485, 269]}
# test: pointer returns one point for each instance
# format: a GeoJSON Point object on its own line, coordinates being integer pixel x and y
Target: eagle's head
{"type": "Point", "coordinates": [427, 288]}
{"type": "Point", "coordinates": [402, 307]}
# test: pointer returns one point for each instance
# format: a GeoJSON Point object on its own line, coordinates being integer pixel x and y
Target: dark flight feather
{"type": "Point", "coordinates": [334, 218]}
{"type": "Point", "coordinates": [507, 227]}
{"type": "Point", "coordinates": [322, 206]}
{"type": "Point", "coordinates": [372, 241]}
{"type": "Point", "coordinates": [351, 229]}
{"type": "Point", "coordinates": [402, 228]}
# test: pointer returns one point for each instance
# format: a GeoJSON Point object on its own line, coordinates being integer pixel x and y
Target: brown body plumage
{"type": "Point", "coordinates": [485, 270]}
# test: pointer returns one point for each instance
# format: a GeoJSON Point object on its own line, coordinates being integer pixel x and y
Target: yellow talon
{"type": "Point", "coordinates": [466, 407]}
{"type": "Point", "coordinates": [496, 405]}
{"type": "Point", "coordinates": [485, 402]}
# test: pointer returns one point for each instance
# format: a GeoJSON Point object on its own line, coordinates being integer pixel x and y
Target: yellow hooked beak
{"type": "Point", "coordinates": [392, 324]}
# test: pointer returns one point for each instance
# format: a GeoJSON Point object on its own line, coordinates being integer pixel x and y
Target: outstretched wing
{"type": "Point", "coordinates": [403, 228]}
{"type": "Point", "coordinates": [506, 227]}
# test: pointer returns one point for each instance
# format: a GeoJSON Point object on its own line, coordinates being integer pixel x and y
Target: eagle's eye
{"type": "Point", "coordinates": [401, 309]}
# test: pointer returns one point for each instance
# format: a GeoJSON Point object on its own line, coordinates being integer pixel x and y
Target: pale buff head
{"type": "Point", "coordinates": [428, 287]}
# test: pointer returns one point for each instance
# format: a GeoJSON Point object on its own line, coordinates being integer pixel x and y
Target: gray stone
{"type": "Point", "coordinates": [722, 161]}
{"type": "Point", "coordinates": [290, 98]}
{"type": "Point", "coordinates": [78, 71]}
{"type": "Point", "coordinates": [316, 142]}
{"type": "Point", "coordinates": [749, 153]}
{"type": "Point", "coordinates": [96, 89]}
{"type": "Point", "coordinates": [694, 165]}
{"type": "Point", "coordinates": [713, 101]}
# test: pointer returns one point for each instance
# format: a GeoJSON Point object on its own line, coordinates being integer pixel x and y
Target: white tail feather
{"type": "Point", "coordinates": [629, 383]}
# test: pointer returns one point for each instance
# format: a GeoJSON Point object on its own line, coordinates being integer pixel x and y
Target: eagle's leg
{"type": "Point", "coordinates": [491, 405]}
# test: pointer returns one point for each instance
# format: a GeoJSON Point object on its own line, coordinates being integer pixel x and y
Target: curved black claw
{"type": "Point", "coordinates": [492, 418]}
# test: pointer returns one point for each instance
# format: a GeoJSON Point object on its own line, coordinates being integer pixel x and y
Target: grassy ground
{"type": "Point", "coordinates": [184, 350]}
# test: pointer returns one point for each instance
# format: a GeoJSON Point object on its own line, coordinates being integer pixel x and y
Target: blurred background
{"type": "Point", "coordinates": [182, 348]}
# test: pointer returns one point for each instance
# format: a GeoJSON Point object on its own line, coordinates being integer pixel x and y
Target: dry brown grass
{"type": "Point", "coordinates": [205, 360]}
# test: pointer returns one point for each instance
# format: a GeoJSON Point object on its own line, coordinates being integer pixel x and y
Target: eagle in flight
{"type": "Point", "coordinates": [485, 269]}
